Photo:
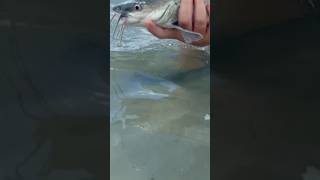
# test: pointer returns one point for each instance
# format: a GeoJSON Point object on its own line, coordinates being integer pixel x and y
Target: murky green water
{"type": "Point", "coordinates": [160, 126]}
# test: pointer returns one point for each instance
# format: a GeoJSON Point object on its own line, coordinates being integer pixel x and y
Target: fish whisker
{"type": "Point", "coordinates": [115, 29]}
{"type": "Point", "coordinates": [113, 16]}
{"type": "Point", "coordinates": [124, 26]}
{"type": "Point", "coordinates": [118, 33]}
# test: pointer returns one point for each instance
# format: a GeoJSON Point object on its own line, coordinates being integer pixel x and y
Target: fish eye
{"type": "Point", "coordinates": [137, 7]}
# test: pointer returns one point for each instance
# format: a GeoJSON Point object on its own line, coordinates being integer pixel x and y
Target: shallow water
{"type": "Point", "coordinates": [160, 126]}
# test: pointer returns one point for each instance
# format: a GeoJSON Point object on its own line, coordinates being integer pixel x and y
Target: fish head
{"type": "Point", "coordinates": [135, 12]}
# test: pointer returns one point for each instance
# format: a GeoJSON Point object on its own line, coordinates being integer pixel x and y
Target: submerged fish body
{"type": "Point", "coordinates": [162, 12]}
{"type": "Point", "coordinates": [133, 85]}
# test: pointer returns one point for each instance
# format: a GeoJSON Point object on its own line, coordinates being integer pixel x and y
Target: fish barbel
{"type": "Point", "coordinates": [162, 12]}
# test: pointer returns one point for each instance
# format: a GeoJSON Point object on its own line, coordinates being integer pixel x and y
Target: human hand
{"type": "Point", "coordinates": [192, 16]}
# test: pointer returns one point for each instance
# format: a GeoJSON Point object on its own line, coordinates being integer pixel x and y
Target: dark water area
{"type": "Point", "coordinates": [53, 102]}
{"type": "Point", "coordinates": [53, 90]}
{"type": "Point", "coordinates": [266, 104]}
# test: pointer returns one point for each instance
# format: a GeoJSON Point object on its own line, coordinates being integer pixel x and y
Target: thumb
{"type": "Point", "coordinates": [162, 33]}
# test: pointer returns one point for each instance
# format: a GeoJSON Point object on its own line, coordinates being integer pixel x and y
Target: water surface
{"type": "Point", "coordinates": [160, 109]}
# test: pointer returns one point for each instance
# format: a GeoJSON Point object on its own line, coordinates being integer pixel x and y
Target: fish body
{"type": "Point", "coordinates": [133, 85]}
{"type": "Point", "coordinates": [162, 12]}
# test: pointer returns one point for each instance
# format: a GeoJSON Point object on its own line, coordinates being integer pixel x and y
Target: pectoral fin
{"type": "Point", "coordinates": [189, 36]}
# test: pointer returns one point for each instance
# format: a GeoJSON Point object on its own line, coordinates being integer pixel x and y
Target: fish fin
{"type": "Point", "coordinates": [189, 36]}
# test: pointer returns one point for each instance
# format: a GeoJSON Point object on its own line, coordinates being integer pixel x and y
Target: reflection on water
{"type": "Point", "coordinates": [160, 122]}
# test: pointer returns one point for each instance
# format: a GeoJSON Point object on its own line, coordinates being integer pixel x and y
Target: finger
{"type": "Point", "coordinates": [185, 14]}
{"type": "Point", "coordinates": [208, 31]}
{"type": "Point", "coordinates": [160, 32]}
{"type": "Point", "coordinates": [209, 19]}
{"type": "Point", "coordinates": [203, 42]}
{"type": "Point", "coordinates": [200, 17]}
